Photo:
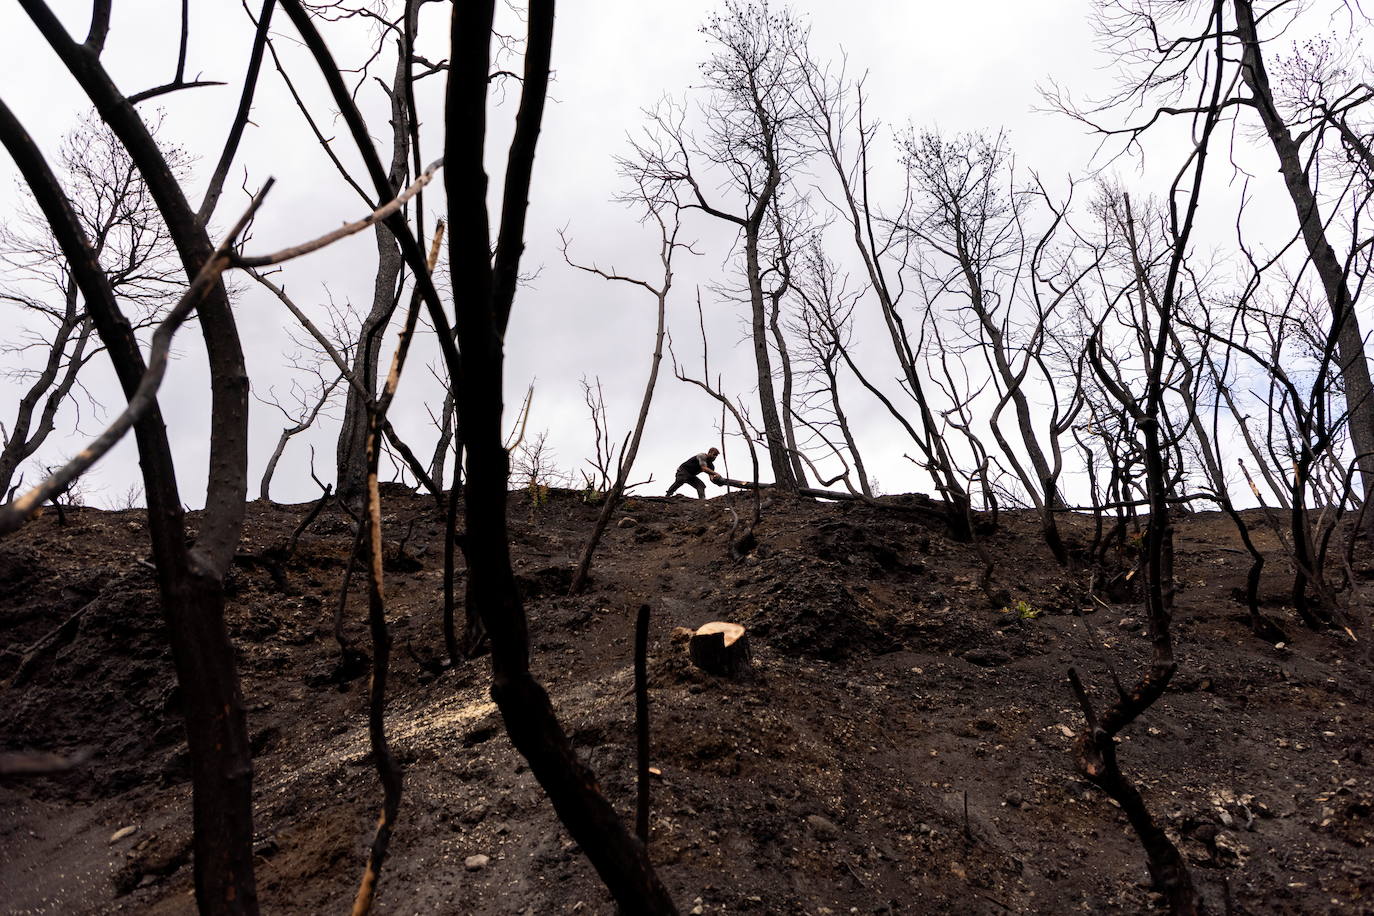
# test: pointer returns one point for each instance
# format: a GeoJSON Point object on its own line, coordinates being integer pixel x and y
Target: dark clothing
{"type": "Point", "coordinates": [691, 480]}
{"type": "Point", "coordinates": [687, 473]}
{"type": "Point", "coordinates": [695, 465]}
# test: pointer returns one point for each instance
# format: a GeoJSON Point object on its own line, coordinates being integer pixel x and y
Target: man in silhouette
{"type": "Point", "coordinates": [688, 472]}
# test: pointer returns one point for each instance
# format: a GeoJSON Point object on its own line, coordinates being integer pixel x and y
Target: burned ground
{"type": "Point", "coordinates": [902, 747]}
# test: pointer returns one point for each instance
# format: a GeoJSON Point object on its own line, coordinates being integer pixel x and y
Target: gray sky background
{"type": "Point", "coordinates": [966, 66]}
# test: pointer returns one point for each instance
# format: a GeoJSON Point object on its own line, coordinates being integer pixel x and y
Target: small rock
{"type": "Point", "coordinates": [476, 863]}
{"type": "Point", "coordinates": [627, 522]}
{"type": "Point", "coordinates": [474, 814]}
{"type": "Point", "coordinates": [1014, 799]}
{"type": "Point", "coordinates": [822, 828]}
{"type": "Point", "coordinates": [1130, 624]}
{"type": "Point", "coordinates": [122, 832]}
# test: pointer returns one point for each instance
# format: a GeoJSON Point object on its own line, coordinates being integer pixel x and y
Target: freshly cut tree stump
{"type": "Point", "coordinates": [720, 648]}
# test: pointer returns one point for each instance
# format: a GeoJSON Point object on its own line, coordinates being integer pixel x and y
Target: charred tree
{"type": "Point", "coordinates": [118, 215]}
{"type": "Point", "coordinates": [485, 290]}
{"type": "Point", "coordinates": [1353, 363]}
{"type": "Point", "coordinates": [666, 216]}
{"type": "Point", "coordinates": [351, 448]}
{"type": "Point", "coordinates": [190, 578]}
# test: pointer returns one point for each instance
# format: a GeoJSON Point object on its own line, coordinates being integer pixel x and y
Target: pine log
{"type": "Point", "coordinates": [720, 648]}
{"type": "Point", "coordinates": [722, 481]}
{"type": "Point", "coordinates": [935, 510]}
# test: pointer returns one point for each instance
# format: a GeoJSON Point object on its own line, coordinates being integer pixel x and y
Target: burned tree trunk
{"type": "Point", "coordinates": [1354, 365]}
{"type": "Point", "coordinates": [351, 447]}
{"type": "Point", "coordinates": [1095, 746]}
{"type": "Point", "coordinates": [642, 724]}
{"type": "Point", "coordinates": [190, 580]}
{"type": "Point", "coordinates": [486, 291]}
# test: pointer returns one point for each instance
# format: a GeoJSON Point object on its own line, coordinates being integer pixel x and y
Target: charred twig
{"type": "Point", "coordinates": [231, 143]}
{"type": "Point", "coordinates": [171, 87]}
{"type": "Point", "coordinates": [388, 769]}
{"type": "Point", "coordinates": [642, 722]}
{"type": "Point", "coordinates": [306, 522]}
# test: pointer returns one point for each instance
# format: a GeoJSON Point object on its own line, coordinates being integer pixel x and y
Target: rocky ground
{"type": "Point", "coordinates": [903, 746]}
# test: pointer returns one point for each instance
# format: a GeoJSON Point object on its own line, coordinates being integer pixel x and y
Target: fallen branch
{"type": "Point", "coordinates": [46, 644]}
{"type": "Point", "coordinates": [306, 523]}
{"type": "Point", "coordinates": [40, 763]}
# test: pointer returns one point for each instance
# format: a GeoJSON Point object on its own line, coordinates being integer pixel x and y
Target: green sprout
{"type": "Point", "coordinates": [1023, 610]}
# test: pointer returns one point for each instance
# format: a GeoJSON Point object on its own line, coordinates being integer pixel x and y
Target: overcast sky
{"type": "Point", "coordinates": [966, 66]}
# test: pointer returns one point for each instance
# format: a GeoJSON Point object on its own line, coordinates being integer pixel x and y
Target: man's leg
{"type": "Point", "coordinates": [698, 486]}
{"type": "Point", "coordinates": [673, 488]}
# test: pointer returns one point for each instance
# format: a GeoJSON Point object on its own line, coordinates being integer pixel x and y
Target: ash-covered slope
{"type": "Point", "coordinates": [902, 747]}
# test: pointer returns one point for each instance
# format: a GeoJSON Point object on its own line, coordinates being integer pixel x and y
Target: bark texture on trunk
{"type": "Point", "coordinates": [778, 456]}
{"type": "Point", "coordinates": [351, 446]}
